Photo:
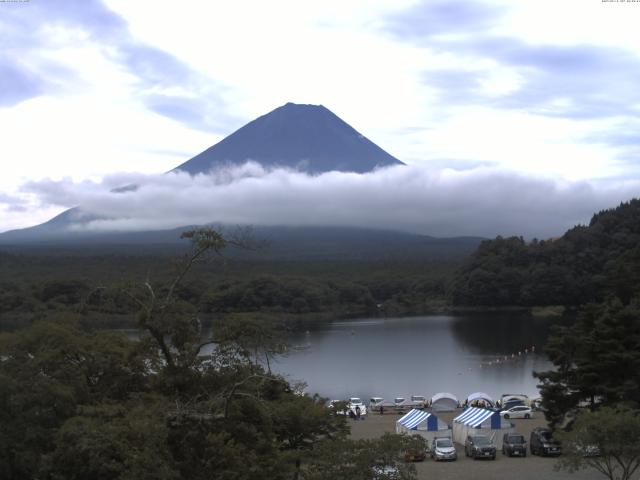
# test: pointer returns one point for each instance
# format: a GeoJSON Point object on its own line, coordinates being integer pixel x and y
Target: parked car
{"type": "Point", "coordinates": [418, 401]}
{"type": "Point", "coordinates": [342, 407]}
{"type": "Point", "coordinates": [356, 402]}
{"type": "Point", "coordinates": [379, 404]}
{"type": "Point", "coordinates": [514, 402]}
{"type": "Point", "coordinates": [479, 446]}
{"type": "Point", "coordinates": [514, 444]}
{"type": "Point", "coordinates": [414, 455]}
{"type": "Point", "coordinates": [520, 411]}
{"type": "Point", "coordinates": [401, 405]}
{"type": "Point", "coordinates": [442, 449]}
{"type": "Point", "coordinates": [542, 443]}
{"type": "Point", "coordinates": [519, 398]}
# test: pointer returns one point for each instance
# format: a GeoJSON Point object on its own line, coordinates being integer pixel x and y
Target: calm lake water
{"type": "Point", "coordinates": [420, 356]}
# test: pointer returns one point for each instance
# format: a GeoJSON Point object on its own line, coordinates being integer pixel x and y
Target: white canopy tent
{"type": "Point", "coordinates": [425, 424]}
{"type": "Point", "coordinates": [480, 397]}
{"type": "Point", "coordinates": [481, 421]}
{"type": "Point", "coordinates": [444, 402]}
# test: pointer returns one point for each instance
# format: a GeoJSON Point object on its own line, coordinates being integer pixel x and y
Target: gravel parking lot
{"type": "Point", "coordinates": [529, 468]}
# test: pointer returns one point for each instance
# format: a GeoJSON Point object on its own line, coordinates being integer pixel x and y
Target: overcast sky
{"type": "Point", "coordinates": [514, 117]}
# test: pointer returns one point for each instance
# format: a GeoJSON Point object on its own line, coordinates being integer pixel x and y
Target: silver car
{"type": "Point", "coordinates": [442, 449]}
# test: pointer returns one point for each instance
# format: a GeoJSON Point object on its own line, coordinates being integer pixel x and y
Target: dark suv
{"type": "Point", "coordinates": [542, 443]}
{"type": "Point", "coordinates": [514, 444]}
{"type": "Point", "coordinates": [479, 446]}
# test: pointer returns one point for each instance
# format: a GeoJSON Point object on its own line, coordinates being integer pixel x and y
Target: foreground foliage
{"type": "Point", "coordinates": [592, 397]}
{"type": "Point", "coordinates": [77, 404]}
{"type": "Point", "coordinates": [607, 440]}
{"type": "Point", "coordinates": [597, 361]}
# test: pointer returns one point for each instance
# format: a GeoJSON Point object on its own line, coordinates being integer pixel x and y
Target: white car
{"type": "Point", "coordinates": [356, 402]}
{"type": "Point", "coordinates": [519, 411]}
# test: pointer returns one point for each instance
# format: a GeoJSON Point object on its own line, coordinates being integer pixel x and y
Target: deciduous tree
{"type": "Point", "coordinates": [607, 440]}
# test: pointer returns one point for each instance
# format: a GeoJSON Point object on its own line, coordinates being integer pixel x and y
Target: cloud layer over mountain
{"type": "Point", "coordinates": [484, 201]}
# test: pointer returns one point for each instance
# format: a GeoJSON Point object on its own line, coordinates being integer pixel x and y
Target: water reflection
{"type": "Point", "coordinates": [501, 333]}
{"type": "Point", "coordinates": [420, 355]}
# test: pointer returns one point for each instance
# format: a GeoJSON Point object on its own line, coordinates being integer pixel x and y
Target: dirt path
{"type": "Point", "coordinates": [529, 468]}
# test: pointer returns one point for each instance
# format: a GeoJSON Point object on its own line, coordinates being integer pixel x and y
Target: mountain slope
{"type": "Point", "coordinates": [281, 243]}
{"type": "Point", "coordinates": [304, 137]}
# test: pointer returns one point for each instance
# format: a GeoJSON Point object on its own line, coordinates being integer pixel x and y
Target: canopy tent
{"type": "Point", "coordinates": [425, 424]}
{"type": "Point", "coordinates": [444, 402]}
{"type": "Point", "coordinates": [509, 400]}
{"type": "Point", "coordinates": [481, 421]}
{"type": "Point", "coordinates": [480, 397]}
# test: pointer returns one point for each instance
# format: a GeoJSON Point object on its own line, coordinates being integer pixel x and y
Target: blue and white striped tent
{"type": "Point", "coordinates": [480, 421]}
{"type": "Point", "coordinates": [425, 424]}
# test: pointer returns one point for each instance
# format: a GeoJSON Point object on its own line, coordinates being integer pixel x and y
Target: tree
{"type": "Point", "coordinates": [607, 440]}
{"type": "Point", "coordinates": [255, 340]}
{"type": "Point", "coordinates": [126, 441]}
{"type": "Point", "coordinates": [378, 459]}
{"type": "Point", "coordinates": [597, 361]}
{"type": "Point", "coordinates": [177, 335]}
{"type": "Point", "coordinates": [46, 373]}
{"type": "Point", "coordinates": [81, 404]}
{"type": "Point", "coordinates": [301, 421]}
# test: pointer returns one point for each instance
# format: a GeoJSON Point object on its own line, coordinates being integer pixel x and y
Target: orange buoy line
{"type": "Point", "coordinates": [506, 358]}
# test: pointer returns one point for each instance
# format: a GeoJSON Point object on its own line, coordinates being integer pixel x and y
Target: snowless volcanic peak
{"type": "Point", "coordinates": [310, 138]}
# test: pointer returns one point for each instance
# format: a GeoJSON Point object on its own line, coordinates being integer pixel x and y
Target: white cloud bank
{"type": "Point", "coordinates": [484, 201]}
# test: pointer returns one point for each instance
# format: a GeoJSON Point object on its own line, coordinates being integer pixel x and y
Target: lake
{"type": "Point", "coordinates": [389, 357]}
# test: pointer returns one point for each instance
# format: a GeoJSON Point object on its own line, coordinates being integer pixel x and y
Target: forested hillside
{"type": "Point", "coordinates": [37, 287]}
{"type": "Point", "coordinates": [585, 265]}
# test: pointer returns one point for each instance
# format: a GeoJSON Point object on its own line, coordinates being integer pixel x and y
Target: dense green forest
{"type": "Point", "coordinates": [38, 286]}
{"type": "Point", "coordinates": [586, 264]}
